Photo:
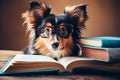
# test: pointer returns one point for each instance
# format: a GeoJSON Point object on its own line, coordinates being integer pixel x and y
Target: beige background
{"type": "Point", "coordinates": [104, 19]}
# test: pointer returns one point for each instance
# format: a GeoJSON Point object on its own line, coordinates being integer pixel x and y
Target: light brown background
{"type": "Point", "coordinates": [104, 19]}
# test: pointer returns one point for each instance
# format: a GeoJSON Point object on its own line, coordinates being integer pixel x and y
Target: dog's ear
{"type": "Point", "coordinates": [77, 14]}
{"type": "Point", "coordinates": [37, 11]}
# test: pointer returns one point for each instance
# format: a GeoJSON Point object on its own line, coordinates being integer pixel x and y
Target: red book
{"type": "Point", "coordinates": [104, 54]}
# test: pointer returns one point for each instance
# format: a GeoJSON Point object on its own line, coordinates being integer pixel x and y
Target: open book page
{"type": "Point", "coordinates": [33, 58]}
{"type": "Point", "coordinates": [32, 62]}
{"type": "Point", "coordinates": [67, 60]}
{"type": "Point", "coordinates": [72, 62]}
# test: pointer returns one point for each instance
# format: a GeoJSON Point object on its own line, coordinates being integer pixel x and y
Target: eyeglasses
{"type": "Point", "coordinates": [63, 30]}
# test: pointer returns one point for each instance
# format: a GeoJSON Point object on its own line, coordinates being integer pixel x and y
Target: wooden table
{"type": "Point", "coordinates": [6, 54]}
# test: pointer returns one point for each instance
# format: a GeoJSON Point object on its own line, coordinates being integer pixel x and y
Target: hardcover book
{"type": "Point", "coordinates": [40, 63]}
{"type": "Point", "coordinates": [105, 54]}
{"type": "Point", "coordinates": [104, 41]}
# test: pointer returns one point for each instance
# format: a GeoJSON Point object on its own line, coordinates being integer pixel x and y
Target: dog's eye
{"type": "Point", "coordinates": [47, 31]}
{"type": "Point", "coordinates": [63, 32]}
{"type": "Point", "coordinates": [45, 34]}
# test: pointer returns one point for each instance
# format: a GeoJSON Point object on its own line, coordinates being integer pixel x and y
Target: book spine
{"type": "Point", "coordinates": [114, 54]}
{"type": "Point", "coordinates": [111, 43]}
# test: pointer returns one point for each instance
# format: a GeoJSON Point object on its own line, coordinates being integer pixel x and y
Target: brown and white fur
{"type": "Point", "coordinates": [39, 18]}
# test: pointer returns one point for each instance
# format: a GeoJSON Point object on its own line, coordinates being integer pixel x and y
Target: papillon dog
{"type": "Point", "coordinates": [54, 35]}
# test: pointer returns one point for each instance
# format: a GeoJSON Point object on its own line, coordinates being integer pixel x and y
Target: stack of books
{"type": "Point", "coordinates": [105, 48]}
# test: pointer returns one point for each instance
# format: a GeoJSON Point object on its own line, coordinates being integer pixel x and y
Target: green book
{"type": "Point", "coordinates": [103, 41]}
{"type": "Point", "coordinates": [43, 64]}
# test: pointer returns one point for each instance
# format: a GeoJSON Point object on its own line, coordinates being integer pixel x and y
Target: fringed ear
{"type": "Point", "coordinates": [77, 14]}
{"type": "Point", "coordinates": [37, 11]}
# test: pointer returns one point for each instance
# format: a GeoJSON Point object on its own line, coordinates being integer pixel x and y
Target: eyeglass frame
{"type": "Point", "coordinates": [55, 28]}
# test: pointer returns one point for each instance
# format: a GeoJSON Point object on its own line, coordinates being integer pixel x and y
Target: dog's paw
{"type": "Point", "coordinates": [55, 56]}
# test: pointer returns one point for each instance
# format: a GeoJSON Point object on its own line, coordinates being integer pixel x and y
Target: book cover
{"type": "Point", "coordinates": [104, 41]}
{"type": "Point", "coordinates": [29, 72]}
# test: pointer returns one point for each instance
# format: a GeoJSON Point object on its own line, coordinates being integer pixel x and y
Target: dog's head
{"type": "Point", "coordinates": [54, 33]}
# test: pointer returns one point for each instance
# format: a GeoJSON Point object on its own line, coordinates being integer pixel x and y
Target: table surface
{"type": "Point", "coordinates": [6, 54]}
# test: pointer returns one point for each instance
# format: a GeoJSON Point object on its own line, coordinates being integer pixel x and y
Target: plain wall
{"type": "Point", "coordinates": [104, 19]}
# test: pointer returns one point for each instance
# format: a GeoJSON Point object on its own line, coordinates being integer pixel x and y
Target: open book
{"type": "Point", "coordinates": [21, 63]}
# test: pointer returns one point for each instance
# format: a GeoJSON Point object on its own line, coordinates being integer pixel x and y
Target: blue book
{"type": "Point", "coordinates": [104, 41]}
{"type": "Point", "coordinates": [29, 64]}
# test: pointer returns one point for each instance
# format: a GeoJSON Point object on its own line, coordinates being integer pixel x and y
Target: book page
{"type": "Point", "coordinates": [33, 58]}
{"type": "Point", "coordinates": [67, 60]}
{"type": "Point", "coordinates": [72, 62]}
{"type": "Point", "coordinates": [91, 42]}
{"type": "Point", "coordinates": [32, 62]}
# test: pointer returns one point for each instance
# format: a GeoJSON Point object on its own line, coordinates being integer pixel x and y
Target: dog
{"type": "Point", "coordinates": [54, 35]}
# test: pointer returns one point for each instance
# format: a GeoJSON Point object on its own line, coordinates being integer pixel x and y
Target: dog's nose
{"type": "Point", "coordinates": [55, 45]}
